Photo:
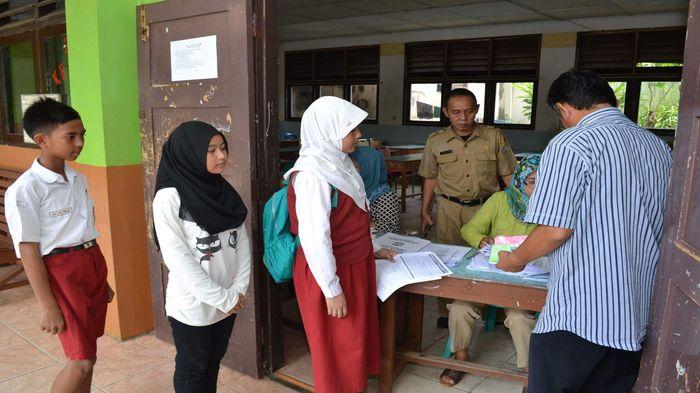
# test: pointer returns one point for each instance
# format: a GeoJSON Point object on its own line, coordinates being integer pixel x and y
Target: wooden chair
{"type": "Point", "coordinates": [7, 254]}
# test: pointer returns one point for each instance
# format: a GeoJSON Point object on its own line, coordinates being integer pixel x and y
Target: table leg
{"type": "Point", "coordinates": [415, 322]}
{"type": "Point", "coordinates": [388, 343]}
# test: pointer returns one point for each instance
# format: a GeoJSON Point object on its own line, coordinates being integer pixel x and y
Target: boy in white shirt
{"type": "Point", "coordinates": [51, 220]}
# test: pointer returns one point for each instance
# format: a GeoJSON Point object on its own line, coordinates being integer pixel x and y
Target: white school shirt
{"type": "Point", "coordinates": [313, 207]}
{"type": "Point", "coordinates": [42, 207]}
{"type": "Point", "coordinates": [207, 272]}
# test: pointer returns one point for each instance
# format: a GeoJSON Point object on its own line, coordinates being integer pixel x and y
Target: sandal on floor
{"type": "Point", "coordinates": [453, 375]}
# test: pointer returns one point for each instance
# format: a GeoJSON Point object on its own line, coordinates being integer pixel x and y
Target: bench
{"type": "Point", "coordinates": [7, 253]}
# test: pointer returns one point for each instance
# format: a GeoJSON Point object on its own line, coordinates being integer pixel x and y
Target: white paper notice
{"type": "Point", "coordinates": [408, 269]}
{"type": "Point", "coordinates": [193, 59]}
{"type": "Point", "coordinates": [400, 243]}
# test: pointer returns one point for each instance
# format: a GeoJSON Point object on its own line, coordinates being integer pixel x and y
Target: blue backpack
{"type": "Point", "coordinates": [279, 244]}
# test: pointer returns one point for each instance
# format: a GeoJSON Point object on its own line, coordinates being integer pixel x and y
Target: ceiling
{"type": "Point", "coordinates": [312, 19]}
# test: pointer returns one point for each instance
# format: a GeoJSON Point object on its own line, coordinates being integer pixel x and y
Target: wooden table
{"type": "Point", "coordinates": [464, 284]}
{"type": "Point", "coordinates": [407, 149]}
{"type": "Point", "coordinates": [408, 165]}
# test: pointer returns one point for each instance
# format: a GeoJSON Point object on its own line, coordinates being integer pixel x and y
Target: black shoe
{"type": "Point", "coordinates": [442, 323]}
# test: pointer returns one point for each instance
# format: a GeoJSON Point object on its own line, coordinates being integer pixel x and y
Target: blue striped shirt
{"type": "Point", "coordinates": [607, 179]}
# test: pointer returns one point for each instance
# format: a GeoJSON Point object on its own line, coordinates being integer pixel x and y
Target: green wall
{"type": "Point", "coordinates": [103, 78]}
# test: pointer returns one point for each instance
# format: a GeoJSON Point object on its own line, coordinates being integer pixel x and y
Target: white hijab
{"type": "Point", "coordinates": [323, 126]}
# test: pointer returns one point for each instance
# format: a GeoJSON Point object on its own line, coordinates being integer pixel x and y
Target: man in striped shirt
{"type": "Point", "coordinates": [599, 203]}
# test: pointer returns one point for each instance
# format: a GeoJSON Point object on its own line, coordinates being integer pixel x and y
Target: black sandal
{"type": "Point", "coordinates": [454, 375]}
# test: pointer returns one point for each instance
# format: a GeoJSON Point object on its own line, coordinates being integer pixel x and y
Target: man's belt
{"type": "Point", "coordinates": [65, 250]}
{"type": "Point", "coordinates": [464, 202]}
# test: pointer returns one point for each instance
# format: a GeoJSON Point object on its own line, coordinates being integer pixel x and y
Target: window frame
{"type": "Point", "coordinates": [37, 36]}
{"type": "Point", "coordinates": [636, 75]}
{"type": "Point", "coordinates": [490, 78]}
{"type": "Point", "coordinates": [633, 98]}
{"type": "Point", "coordinates": [344, 81]}
{"type": "Point", "coordinates": [489, 103]}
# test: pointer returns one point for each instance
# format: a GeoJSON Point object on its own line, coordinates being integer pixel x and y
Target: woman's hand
{"type": "Point", "coordinates": [239, 305]}
{"type": "Point", "coordinates": [487, 240]}
{"type": "Point", "coordinates": [386, 254]}
{"type": "Point", "coordinates": [337, 306]}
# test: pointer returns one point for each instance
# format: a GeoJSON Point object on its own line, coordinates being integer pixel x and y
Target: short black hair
{"type": "Point", "coordinates": [581, 89]}
{"type": "Point", "coordinates": [45, 115]}
{"type": "Point", "coordinates": [460, 92]}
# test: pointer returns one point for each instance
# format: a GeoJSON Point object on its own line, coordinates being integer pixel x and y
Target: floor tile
{"type": "Point", "coordinates": [300, 369]}
{"type": "Point", "coordinates": [159, 379]}
{"type": "Point", "coordinates": [125, 360]}
{"type": "Point", "coordinates": [493, 385]}
{"type": "Point", "coordinates": [20, 357]}
{"type": "Point", "coordinates": [28, 325]}
{"type": "Point", "coordinates": [33, 382]}
{"type": "Point", "coordinates": [17, 303]}
{"type": "Point", "coordinates": [411, 383]}
{"type": "Point", "coordinates": [153, 343]}
{"type": "Point", "coordinates": [246, 384]}
{"type": "Point", "coordinates": [50, 345]}
{"type": "Point", "coordinates": [227, 375]}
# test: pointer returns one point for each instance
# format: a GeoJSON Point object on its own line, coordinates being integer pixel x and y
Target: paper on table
{"type": "Point", "coordinates": [537, 269]}
{"type": "Point", "coordinates": [408, 269]}
{"type": "Point", "coordinates": [450, 255]}
{"type": "Point", "coordinates": [505, 243]}
{"type": "Point", "coordinates": [400, 243]}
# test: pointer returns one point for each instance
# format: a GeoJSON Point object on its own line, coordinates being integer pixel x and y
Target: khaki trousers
{"type": "Point", "coordinates": [463, 315]}
{"type": "Point", "coordinates": [449, 219]}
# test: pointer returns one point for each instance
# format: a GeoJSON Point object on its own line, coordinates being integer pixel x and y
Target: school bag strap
{"type": "Point", "coordinates": [279, 244]}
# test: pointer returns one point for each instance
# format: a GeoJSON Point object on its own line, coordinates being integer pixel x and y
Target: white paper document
{"type": "Point", "coordinates": [408, 269]}
{"type": "Point", "coordinates": [401, 244]}
{"type": "Point", "coordinates": [450, 255]}
{"type": "Point", "coordinates": [193, 59]}
{"type": "Point", "coordinates": [535, 270]}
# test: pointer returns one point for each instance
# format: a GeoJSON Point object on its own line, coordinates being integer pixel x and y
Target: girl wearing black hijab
{"type": "Point", "coordinates": [199, 224]}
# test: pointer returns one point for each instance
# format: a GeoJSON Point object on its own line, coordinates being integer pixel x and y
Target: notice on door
{"type": "Point", "coordinates": [193, 59]}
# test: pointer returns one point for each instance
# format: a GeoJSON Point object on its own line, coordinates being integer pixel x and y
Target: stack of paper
{"type": "Point", "coordinates": [400, 243]}
{"type": "Point", "coordinates": [535, 270]}
{"type": "Point", "coordinates": [408, 268]}
{"type": "Point", "coordinates": [449, 254]}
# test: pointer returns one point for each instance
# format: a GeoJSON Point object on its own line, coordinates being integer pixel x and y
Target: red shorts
{"type": "Point", "coordinates": [78, 281]}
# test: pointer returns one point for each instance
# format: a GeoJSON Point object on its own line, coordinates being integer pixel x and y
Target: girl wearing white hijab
{"type": "Point", "coordinates": [334, 270]}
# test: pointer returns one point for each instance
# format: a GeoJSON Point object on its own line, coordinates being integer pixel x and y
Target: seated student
{"type": "Point", "coordinates": [384, 204]}
{"type": "Point", "coordinates": [502, 214]}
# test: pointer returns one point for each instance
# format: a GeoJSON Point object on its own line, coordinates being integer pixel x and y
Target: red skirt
{"type": "Point", "coordinates": [344, 351]}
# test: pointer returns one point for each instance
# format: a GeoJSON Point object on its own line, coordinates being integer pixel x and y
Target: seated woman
{"type": "Point", "coordinates": [384, 204]}
{"type": "Point", "coordinates": [502, 214]}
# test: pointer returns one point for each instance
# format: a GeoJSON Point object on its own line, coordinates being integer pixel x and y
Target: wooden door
{"type": "Point", "coordinates": [671, 360]}
{"type": "Point", "coordinates": [225, 86]}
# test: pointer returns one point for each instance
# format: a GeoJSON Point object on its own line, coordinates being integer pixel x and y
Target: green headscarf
{"type": "Point", "coordinates": [517, 198]}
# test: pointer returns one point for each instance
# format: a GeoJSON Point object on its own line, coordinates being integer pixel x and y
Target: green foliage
{"type": "Point", "coordinates": [658, 105]}
{"type": "Point", "coordinates": [527, 90]}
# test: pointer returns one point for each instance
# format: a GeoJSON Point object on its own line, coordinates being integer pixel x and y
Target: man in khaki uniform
{"type": "Point", "coordinates": [461, 166]}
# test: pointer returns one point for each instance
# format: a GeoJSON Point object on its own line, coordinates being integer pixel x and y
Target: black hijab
{"type": "Point", "coordinates": [207, 199]}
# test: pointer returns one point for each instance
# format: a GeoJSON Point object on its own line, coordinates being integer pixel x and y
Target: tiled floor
{"type": "Point", "coordinates": [493, 348]}
{"type": "Point", "coordinates": [30, 359]}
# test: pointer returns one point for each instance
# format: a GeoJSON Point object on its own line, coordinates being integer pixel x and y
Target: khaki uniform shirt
{"type": "Point", "coordinates": [467, 170]}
